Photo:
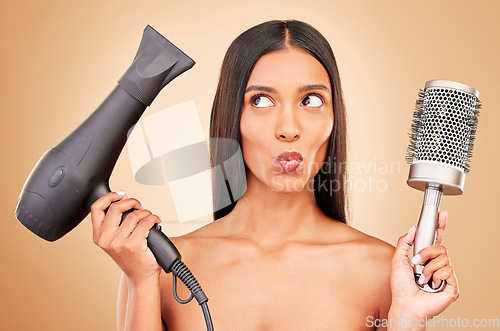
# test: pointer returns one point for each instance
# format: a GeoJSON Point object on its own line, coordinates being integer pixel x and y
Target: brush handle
{"type": "Point", "coordinates": [426, 230]}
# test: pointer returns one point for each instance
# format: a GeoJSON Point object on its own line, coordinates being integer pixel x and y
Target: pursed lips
{"type": "Point", "coordinates": [289, 160]}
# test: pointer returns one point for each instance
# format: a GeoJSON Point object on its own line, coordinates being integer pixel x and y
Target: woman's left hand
{"type": "Point", "coordinates": [408, 300]}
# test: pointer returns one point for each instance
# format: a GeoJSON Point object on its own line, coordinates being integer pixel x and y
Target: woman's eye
{"type": "Point", "coordinates": [312, 101]}
{"type": "Point", "coordinates": [261, 102]}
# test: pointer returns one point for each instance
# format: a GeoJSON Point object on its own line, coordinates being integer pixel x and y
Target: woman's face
{"type": "Point", "coordinates": [286, 120]}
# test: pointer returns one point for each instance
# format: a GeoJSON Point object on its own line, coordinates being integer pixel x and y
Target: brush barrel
{"type": "Point", "coordinates": [443, 135]}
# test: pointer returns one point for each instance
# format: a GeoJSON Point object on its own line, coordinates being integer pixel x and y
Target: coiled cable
{"type": "Point", "coordinates": [179, 269]}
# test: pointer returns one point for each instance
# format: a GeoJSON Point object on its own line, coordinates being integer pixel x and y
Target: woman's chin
{"type": "Point", "coordinates": [290, 184]}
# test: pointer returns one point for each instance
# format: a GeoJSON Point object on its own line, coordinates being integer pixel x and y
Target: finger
{"type": "Point", "coordinates": [97, 209]}
{"type": "Point", "coordinates": [114, 215]}
{"type": "Point", "coordinates": [441, 275]}
{"type": "Point", "coordinates": [447, 274]}
{"type": "Point", "coordinates": [130, 222]}
{"type": "Point", "coordinates": [428, 253]}
{"type": "Point", "coordinates": [430, 268]}
{"type": "Point", "coordinates": [442, 221]}
{"type": "Point", "coordinates": [141, 231]}
{"type": "Point", "coordinates": [404, 245]}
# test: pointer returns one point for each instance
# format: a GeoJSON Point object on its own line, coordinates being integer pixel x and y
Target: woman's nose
{"type": "Point", "coordinates": [288, 128]}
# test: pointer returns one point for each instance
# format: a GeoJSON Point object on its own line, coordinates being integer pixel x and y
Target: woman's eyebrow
{"type": "Point", "coordinates": [260, 88]}
{"type": "Point", "coordinates": [306, 88]}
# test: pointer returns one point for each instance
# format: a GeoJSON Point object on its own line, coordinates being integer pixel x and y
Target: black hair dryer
{"type": "Point", "coordinates": [72, 175]}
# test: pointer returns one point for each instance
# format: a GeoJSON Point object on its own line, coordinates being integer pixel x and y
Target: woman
{"type": "Point", "coordinates": [282, 257]}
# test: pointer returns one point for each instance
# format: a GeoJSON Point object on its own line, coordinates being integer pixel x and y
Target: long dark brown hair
{"type": "Point", "coordinates": [240, 59]}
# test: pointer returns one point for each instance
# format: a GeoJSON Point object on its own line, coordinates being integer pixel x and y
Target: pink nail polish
{"type": "Point", "coordinates": [416, 259]}
{"type": "Point", "coordinates": [421, 279]}
{"type": "Point", "coordinates": [120, 192]}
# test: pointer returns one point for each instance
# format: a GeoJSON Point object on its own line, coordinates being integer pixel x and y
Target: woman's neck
{"type": "Point", "coordinates": [272, 218]}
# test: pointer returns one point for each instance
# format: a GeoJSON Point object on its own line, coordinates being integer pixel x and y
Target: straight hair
{"type": "Point", "coordinates": [239, 61]}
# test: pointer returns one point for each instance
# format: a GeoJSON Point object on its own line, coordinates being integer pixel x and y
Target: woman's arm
{"type": "Point", "coordinates": [139, 305]}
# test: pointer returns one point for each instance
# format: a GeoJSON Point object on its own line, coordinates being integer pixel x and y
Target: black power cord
{"type": "Point", "coordinates": [179, 269]}
{"type": "Point", "coordinates": [169, 258]}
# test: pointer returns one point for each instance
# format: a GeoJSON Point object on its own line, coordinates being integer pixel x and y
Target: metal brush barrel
{"type": "Point", "coordinates": [442, 136]}
{"type": "Point", "coordinates": [441, 143]}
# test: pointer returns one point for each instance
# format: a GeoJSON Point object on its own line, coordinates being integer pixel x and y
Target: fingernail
{"type": "Point", "coordinates": [421, 279]}
{"type": "Point", "coordinates": [120, 192]}
{"type": "Point", "coordinates": [413, 227]}
{"type": "Point", "coordinates": [434, 285]}
{"type": "Point", "coordinates": [142, 206]}
{"type": "Point", "coordinates": [416, 259]}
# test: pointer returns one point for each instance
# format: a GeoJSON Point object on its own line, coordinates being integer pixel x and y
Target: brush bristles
{"type": "Point", "coordinates": [438, 132]}
{"type": "Point", "coordinates": [473, 128]}
{"type": "Point", "coordinates": [415, 127]}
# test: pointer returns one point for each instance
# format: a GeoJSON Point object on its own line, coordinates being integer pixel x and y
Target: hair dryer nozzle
{"type": "Point", "coordinates": [156, 63]}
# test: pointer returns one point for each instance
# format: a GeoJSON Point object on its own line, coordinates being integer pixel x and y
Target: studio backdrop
{"type": "Point", "coordinates": [60, 59]}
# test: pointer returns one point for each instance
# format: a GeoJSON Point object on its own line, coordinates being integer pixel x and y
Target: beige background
{"type": "Point", "coordinates": [59, 60]}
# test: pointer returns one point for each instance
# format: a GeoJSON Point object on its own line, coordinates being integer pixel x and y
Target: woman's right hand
{"type": "Point", "coordinates": [125, 243]}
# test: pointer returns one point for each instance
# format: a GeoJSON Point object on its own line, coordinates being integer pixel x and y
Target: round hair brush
{"type": "Point", "coordinates": [441, 142]}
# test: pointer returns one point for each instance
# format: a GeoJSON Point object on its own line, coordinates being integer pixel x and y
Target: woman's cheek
{"type": "Point", "coordinates": [321, 141]}
{"type": "Point", "coordinates": [252, 142]}
{"type": "Point", "coordinates": [327, 125]}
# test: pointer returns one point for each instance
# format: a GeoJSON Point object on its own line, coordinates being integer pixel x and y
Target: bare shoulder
{"type": "Point", "coordinates": [206, 234]}
{"type": "Point", "coordinates": [367, 262]}
{"type": "Point", "coordinates": [367, 252]}
{"type": "Point", "coordinates": [368, 244]}
{"type": "Point", "coordinates": [204, 244]}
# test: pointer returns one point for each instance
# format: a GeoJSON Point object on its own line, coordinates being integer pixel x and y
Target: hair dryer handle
{"type": "Point", "coordinates": [162, 248]}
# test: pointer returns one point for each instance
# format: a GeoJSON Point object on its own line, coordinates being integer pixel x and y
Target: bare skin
{"type": "Point", "coordinates": [276, 262]}
{"type": "Point", "coordinates": [310, 282]}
